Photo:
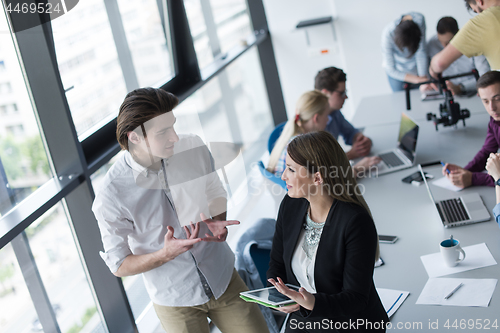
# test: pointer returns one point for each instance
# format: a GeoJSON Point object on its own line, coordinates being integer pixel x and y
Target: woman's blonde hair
{"type": "Point", "coordinates": [320, 152]}
{"type": "Point", "coordinates": [309, 104]}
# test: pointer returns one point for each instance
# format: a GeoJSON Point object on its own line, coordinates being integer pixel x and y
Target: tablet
{"type": "Point", "coordinates": [269, 296]}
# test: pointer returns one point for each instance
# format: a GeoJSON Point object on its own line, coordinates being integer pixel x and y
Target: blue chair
{"type": "Point", "coordinates": [275, 134]}
{"type": "Point", "coordinates": [271, 176]}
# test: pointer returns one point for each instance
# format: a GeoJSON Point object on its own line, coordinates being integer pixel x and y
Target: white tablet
{"type": "Point", "coordinates": [270, 296]}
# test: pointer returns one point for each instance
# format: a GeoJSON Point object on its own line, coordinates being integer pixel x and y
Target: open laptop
{"type": "Point", "coordinates": [466, 209]}
{"type": "Point", "coordinates": [403, 156]}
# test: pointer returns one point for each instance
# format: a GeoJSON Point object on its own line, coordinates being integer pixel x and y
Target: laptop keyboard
{"type": "Point", "coordinates": [391, 159]}
{"type": "Point", "coordinates": [454, 210]}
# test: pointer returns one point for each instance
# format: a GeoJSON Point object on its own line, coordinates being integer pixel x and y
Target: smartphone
{"type": "Point", "coordinates": [387, 239]}
{"type": "Point", "coordinates": [416, 178]}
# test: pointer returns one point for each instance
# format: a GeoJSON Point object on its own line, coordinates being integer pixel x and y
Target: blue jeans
{"type": "Point", "coordinates": [397, 85]}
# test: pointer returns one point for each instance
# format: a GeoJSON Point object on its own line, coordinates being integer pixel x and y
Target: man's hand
{"type": "Point", "coordinates": [458, 176]}
{"type": "Point", "coordinates": [173, 246]}
{"type": "Point", "coordinates": [364, 166]}
{"type": "Point", "coordinates": [302, 297]}
{"type": "Point", "coordinates": [493, 166]}
{"type": "Point", "coordinates": [454, 88]}
{"type": "Point", "coordinates": [360, 147]}
{"type": "Point", "coordinates": [218, 229]}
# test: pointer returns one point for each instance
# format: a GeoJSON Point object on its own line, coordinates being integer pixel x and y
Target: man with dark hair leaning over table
{"type": "Point", "coordinates": [331, 82]}
{"type": "Point", "coordinates": [151, 208]}
{"type": "Point", "coordinates": [478, 36]}
{"type": "Point", "coordinates": [488, 88]}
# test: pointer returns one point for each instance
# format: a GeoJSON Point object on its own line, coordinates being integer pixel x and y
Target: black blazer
{"type": "Point", "coordinates": [343, 273]}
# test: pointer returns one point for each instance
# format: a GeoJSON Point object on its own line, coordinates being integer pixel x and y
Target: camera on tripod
{"type": "Point", "coordinates": [449, 111]}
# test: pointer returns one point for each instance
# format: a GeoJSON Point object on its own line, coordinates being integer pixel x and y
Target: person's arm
{"type": "Point", "coordinates": [136, 264]}
{"type": "Point", "coordinates": [360, 249]}
{"type": "Point", "coordinates": [443, 60]}
{"type": "Point", "coordinates": [490, 145]}
{"type": "Point", "coordinates": [421, 54]}
{"type": "Point", "coordinates": [276, 263]}
{"type": "Point", "coordinates": [493, 167]}
{"type": "Point", "coordinates": [388, 61]}
{"type": "Point", "coordinates": [482, 66]}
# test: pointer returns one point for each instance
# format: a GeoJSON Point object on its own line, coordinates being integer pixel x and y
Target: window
{"type": "Point", "coordinates": [146, 38]}
{"type": "Point", "coordinates": [232, 21]}
{"type": "Point", "coordinates": [88, 62]}
{"type": "Point", "coordinates": [23, 161]}
{"type": "Point", "coordinates": [57, 260]}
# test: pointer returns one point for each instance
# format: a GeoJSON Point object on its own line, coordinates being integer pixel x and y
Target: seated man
{"type": "Point", "coordinates": [488, 88]}
{"type": "Point", "coordinates": [447, 27]}
{"type": "Point", "coordinates": [331, 82]}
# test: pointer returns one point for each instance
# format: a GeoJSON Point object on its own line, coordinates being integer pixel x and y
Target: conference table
{"type": "Point", "coordinates": [406, 211]}
{"type": "Point", "coordinates": [385, 109]}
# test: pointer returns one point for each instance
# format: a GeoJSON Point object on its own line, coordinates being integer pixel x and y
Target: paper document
{"type": "Point", "coordinates": [474, 292]}
{"type": "Point", "coordinates": [392, 299]}
{"type": "Point", "coordinates": [477, 256]}
{"type": "Point", "coordinates": [445, 183]}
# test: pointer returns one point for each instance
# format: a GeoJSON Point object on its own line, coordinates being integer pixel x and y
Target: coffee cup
{"type": "Point", "coordinates": [450, 251]}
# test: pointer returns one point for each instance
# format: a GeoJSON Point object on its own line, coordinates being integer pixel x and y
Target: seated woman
{"type": "Point", "coordinates": [325, 241]}
{"type": "Point", "coordinates": [311, 114]}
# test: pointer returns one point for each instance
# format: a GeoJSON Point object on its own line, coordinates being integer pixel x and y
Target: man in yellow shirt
{"type": "Point", "coordinates": [479, 36]}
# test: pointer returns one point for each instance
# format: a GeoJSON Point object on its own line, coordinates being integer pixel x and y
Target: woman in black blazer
{"type": "Point", "coordinates": [326, 242]}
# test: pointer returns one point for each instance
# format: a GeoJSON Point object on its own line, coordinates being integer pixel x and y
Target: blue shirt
{"type": "Point", "coordinates": [338, 125]}
{"type": "Point", "coordinates": [496, 213]}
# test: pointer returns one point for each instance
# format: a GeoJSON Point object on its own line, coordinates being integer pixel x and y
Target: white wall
{"type": "Point", "coordinates": [358, 26]}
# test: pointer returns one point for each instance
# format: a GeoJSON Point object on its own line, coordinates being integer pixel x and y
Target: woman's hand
{"type": "Point", "coordinates": [302, 297]}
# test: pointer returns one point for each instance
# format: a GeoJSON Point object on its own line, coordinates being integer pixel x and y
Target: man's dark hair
{"type": "Point", "coordinates": [487, 79]}
{"type": "Point", "coordinates": [467, 4]}
{"type": "Point", "coordinates": [139, 106]}
{"type": "Point", "coordinates": [329, 79]}
{"type": "Point", "coordinates": [407, 35]}
{"type": "Point", "coordinates": [447, 24]}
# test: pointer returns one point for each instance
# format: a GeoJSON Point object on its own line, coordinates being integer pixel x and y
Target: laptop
{"type": "Point", "coordinates": [403, 156]}
{"type": "Point", "coordinates": [466, 209]}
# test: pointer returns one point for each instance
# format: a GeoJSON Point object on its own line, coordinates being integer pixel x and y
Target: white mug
{"type": "Point", "coordinates": [450, 250]}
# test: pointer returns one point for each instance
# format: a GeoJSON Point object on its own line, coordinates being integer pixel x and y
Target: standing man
{"type": "Point", "coordinates": [480, 35]}
{"type": "Point", "coordinates": [488, 88]}
{"type": "Point", "coordinates": [331, 82]}
{"type": "Point", "coordinates": [149, 210]}
{"type": "Point", "coordinates": [447, 28]}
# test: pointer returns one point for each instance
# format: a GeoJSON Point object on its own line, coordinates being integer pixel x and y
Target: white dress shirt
{"type": "Point", "coordinates": [134, 207]}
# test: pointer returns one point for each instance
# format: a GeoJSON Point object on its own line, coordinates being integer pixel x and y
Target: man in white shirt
{"type": "Point", "coordinates": [151, 209]}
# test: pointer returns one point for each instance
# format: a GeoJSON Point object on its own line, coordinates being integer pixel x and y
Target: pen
{"type": "Point", "coordinates": [453, 291]}
{"type": "Point", "coordinates": [447, 171]}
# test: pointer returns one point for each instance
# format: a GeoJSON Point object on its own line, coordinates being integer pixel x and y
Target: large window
{"type": "Point", "coordinates": [59, 266]}
{"type": "Point", "coordinates": [23, 161]}
{"type": "Point", "coordinates": [61, 85]}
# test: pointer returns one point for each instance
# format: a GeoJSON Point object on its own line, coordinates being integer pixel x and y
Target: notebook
{"type": "Point", "coordinates": [466, 209]}
{"type": "Point", "coordinates": [403, 156]}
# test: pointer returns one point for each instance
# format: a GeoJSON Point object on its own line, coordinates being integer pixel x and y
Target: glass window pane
{"type": "Point", "coordinates": [88, 63]}
{"type": "Point", "coordinates": [62, 274]}
{"type": "Point", "coordinates": [147, 42]}
{"type": "Point", "coordinates": [23, 161]}
{"type": "Point", "coordinates": [232, 21]}
{"type": "Point", "coordinates": [199, 32]}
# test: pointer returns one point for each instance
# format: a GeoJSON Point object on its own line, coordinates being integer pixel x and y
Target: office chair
{"type": "Point", "coordinates": [275, 134]}
{"type": "Point", "coordinates": [271, 176]}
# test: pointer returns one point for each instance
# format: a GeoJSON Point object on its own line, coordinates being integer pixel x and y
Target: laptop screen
{"type": "Point", "coordinates": [407, 139]}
